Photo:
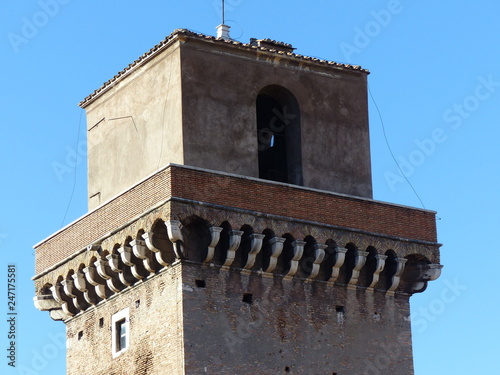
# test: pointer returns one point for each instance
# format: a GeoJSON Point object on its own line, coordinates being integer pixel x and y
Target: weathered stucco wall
{"type": "Point", "coordinates": [135, 128]}
{"type": "Point", "coordinates": [220, 85]}
{"type": "Point", "coordinates": [194, 103]}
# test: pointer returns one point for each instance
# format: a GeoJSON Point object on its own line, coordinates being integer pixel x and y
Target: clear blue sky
{"type": "Point", "coordinates": [435, 76]}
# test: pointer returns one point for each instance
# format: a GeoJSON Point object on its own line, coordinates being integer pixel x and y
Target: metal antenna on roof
{"type": "Point", "coordinates": [223, 29]}
{"type": "Point", "coordinates": [223, 13]}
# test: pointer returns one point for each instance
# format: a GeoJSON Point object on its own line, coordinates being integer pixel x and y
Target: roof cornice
{"type": "Point", "coordinates": [172, 38]}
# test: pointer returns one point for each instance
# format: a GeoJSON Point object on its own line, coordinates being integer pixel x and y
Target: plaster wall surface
{"type": "Point", "coordinates": [135, 128]}
{"type": "Point", "coordinates": [220, 86]}
{"type": "Point", "coordinates": [194, 103]}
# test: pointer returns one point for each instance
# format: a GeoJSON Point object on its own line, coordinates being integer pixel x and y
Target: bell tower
{"type": "Point", "coordinates": [231, 225]}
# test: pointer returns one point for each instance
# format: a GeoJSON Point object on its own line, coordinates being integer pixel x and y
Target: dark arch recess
{"type": "Point", "coordinates": [278, 135]}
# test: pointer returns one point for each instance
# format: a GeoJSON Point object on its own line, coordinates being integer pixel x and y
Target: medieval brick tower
{"type": "Point", "coordinates": [231, 226]}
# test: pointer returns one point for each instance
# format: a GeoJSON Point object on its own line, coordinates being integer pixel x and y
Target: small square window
{"type": "Point", "coordinates": [120, 332]}
{"type": "Point", "coordinates": [200, 283]}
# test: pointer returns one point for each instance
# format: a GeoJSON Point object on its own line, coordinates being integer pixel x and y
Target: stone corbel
{"type": "Point", "coordinates": [139, 248]}
{"type": "Point", "coordinates": [126, 255]}
{"type": "Point", "coordinates": [102, 291]}
{"type": "Point", "coordinates": [358, 264]}
{"type": "Point", "coordinates": [298, 250]}
{"type": "Point", "coordinates": [378, 268]}
{"type": "Point", "coordinates": [276, 250]}
{"type": "Point", "coordinates": [96, 281]}
{"type": "Point", "coordinates": [400, 266]}
{"type": "Point", "coordinates": [104, 271]}
{"type": "Point", "coordinates": [114, 261]}
{"type": "Point", "coordinates": [319, 255]}
{"type": "Point", "coordinates": [95, 247]}
{"type": "Point", "coordinates": [92, 276]}
{"type": "Point", "coordinates": [73, 292]}
{"type": "Point", "coordinates": [175, 235]}
{"type": "Point", "coordinates": [68, 287]}
{"type": "Point", "coordinates": [46, 302]}
{"type": "Point", "coordinates": [234, 243]}
{"type": "Point", "coordinates": [141, 251]}
{"type": "Point", "coordinates": [60, 297]}
{"type": "Point", "coordinates": [255, 248]}
{"type": "Point", "coordinates": [160, 256]}
{"type": "Point", "coordinates": [59, 315]}
{"type": "Point", "coordinates": [129, 259]}
{"type": "Point", "coordinates": [81, 284]}
{"type": "Point", "coordinates": [339, 262]}
{"type": "Point", "coordinates": [215, 235]}
{"type": "Point", "coordinates": [422, 274]}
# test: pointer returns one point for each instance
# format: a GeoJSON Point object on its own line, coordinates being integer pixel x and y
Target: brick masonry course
{"type": "Point", "coordinates": [255, 195]}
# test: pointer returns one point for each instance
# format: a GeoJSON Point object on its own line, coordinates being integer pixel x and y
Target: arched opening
{"type": "Point", "coordinates": [390, 268]}
{"type": "Point", "coordinates": [326, 267]}
{"type": "Point", "coordinates": [350, 262]}
{"type": "Point", "coordinates": [278, 135]}
{"type": "Point", "coordinates": [366, 273]}
{"type": "Point", "coordinates": [197, 238]}
{"type": "Point", "coordinates": [222, 247]}
{"type": "Point", "coordinates": [308, 257]}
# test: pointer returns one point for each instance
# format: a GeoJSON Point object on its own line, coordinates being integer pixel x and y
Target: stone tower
{"type": "Point", "coordinates": [231, 226]}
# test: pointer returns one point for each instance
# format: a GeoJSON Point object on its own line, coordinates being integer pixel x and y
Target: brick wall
{"type": "Point", "coordinates": [240, 192]}
{"type": "Point", "coordinates": [155, 332]}
{"type": "Point", "coordinates": [290, 325]}
{"type": "Point", "coordinates": [183, 327]}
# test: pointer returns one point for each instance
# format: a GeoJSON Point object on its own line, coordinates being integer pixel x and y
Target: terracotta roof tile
{"type": "Point", "coordinates": [172, 37]}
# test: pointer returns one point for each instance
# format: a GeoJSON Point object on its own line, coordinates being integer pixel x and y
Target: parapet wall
{"type": "Point", "coordinates": [177, 182]}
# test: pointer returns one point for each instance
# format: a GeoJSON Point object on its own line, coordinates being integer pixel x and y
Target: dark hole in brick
{"type": "Point", "coordinates": [80, 335]}
{"type": "Point", "coordinates": [247, 297]}
{"type": "Point", "coordinates": [340, 309]}
{"type": "Point", "coordinates": [287, 369]}
{"type": "Point", "coordinates": [200, 283]}
{"type": "Point", "coordinates": [137, 303]}
{"type": "Point", "coordinates": [334, 373]}
{"type": "Point", "coordinates": [101, 322]}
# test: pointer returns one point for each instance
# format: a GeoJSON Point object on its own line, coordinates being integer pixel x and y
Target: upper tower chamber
{"type": "Point", "coordinates": [255, 110]}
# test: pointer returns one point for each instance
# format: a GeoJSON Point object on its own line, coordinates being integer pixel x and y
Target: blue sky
{"type": "Point", "coordinates": [435, 76]}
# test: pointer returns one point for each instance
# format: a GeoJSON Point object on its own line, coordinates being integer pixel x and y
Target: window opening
{"type": "Point", "coordinates": [200, 283]}
{"type": "Point", "coordinates": [120, 332]}
{"type": "Point", "coordinates": [247, 298]}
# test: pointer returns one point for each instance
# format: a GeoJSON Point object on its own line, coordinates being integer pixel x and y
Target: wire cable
{"type": "Point", "coordinates": [390, 149]}
{"type": "Point", "coordinates": [76, 165]}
